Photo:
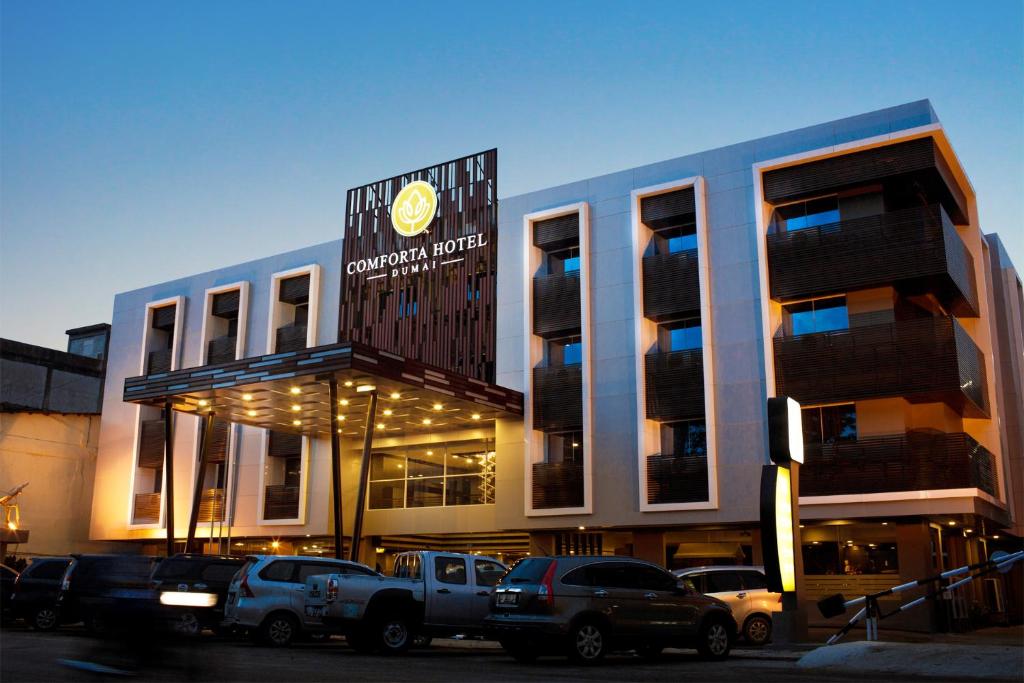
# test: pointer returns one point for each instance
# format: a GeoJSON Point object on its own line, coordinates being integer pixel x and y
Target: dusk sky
{"type": "Point", "coordinates": [143, 141]}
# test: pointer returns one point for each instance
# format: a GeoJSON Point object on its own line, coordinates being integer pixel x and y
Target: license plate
{"type": "Point", "coordinates": [508, 598]}
{"type": "Point", "coordinates": [316, 611]}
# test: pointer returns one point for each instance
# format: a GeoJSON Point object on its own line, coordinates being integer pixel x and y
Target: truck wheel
{"type": "Point", "coordinates": [714, 639]}
{"type": "Point", "coordinates": [279, 630]}
{"type": "Point", "coordinates": [44, 619]}
{"type": "Point", "coordinates": [394, 634]}
{"type": "Point", "coordinates": [758, 629]}
{"type": "Point", "coordinates": [588, 642]}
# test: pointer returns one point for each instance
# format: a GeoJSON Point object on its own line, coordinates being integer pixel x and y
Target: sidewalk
{"type": "Point", "coordinates": [942, 660]}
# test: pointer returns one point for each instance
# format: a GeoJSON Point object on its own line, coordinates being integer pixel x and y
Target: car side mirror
{"type": "Point", "coordinates": [685, 587]}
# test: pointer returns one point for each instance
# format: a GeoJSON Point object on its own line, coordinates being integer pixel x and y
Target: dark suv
{"type": "Point", "coordinates": [99, 587]}
{"type": "Point", "coordinates": [587, 606]}
{"type": "Point", "coordinates": [35, 592]}
{"type": "Point", "coordinates": [192, 590]}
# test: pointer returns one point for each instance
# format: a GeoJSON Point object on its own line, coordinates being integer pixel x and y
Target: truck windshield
{"type": "Point", "coordinates": [530, 570]}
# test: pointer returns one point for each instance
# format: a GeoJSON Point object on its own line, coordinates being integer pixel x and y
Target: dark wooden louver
{"type": "Point", "coordinates": [281, 502]}
{"type": "Point", "coordinates": [211, 506]}
{"type": "Point", "coordinates": [918, 249]}
{"type": "Point", "coordinates": [221, 350]}
{"type": "Point", "coordinates": [146, 509]}
{"type": "Point", "coordinates": [163, 318]}
{"type": "Point", "coordinates": [226, 304]}
{"type": "Point", "coordinates": [151, 444]}
{"type": "Point", "coordinates": [923, 360]}
{"type": "Point", "coordinates": [669, 210]}
{"type": "Point", "coordinates": [291, 338]}
{"type": "Point", "coordinates": [557, 485]}
{"type": "Point", "coordinates": [295, 290]}
{"type": "Point", "coordinates": [285, 445]}
{"type": "Point", "coordinates": [677, 479]}
{"type": "Point", "coordinates": [920, 158]}
{"type": "Point", "coordinates": [556, 305]}
{"type": "Point", "coordinates": [671, 285]}
{"type": "Point", "coordinates": [558, 398]}
{"type": "Point", "coordinates": [579, 543]}
{"type": "Point", "coordinates": [557, 233]}
{"type": "Point", "coordinates": [675, 385]}
{"type": "Point", "coordinates": [158, 361]}
{"type": "Point", "coordinates": [916, 461]}
{"type": "Point", "coordinates": [218, 451]}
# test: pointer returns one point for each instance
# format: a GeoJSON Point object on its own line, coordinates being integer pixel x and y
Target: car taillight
{"type": "Point", "coordinates": [546, 592]}
{"type": "Point", "coordinates": [332, 589]}
{"type": "Point", "coordinates": [244, 588]}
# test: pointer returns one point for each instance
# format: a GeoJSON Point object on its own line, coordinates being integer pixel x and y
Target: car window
{"type": "Point", "coordinates": [46, 570]}
{"type": "Point", "coordinates": [8, 572]}
{"type": "Point", "coordinates": [174, 568]}
{"type": "Point", "coordinates": [723, 582]}
{"type": "Point", "coordinates": [578, 577]}
{"type": "Point", "coordinates": [487, 573]}
{"type": "Point", "coordinates": [450, 570]}
{"type": "Point", "coordinates": [356, 569]}
{"type": "Point", "coordinates": [279, 570]}
{"type": "Point", "coordinates": [614, 575]}
{"type": "Point", "coordinates": [654, 579]}
{"type": "Point", "coordinates": [308, 569]}
{"type": "Point", "coordinates": [698, 582]}
{"type": "Point", "coordinates": [753, 580]}
{"type": "Point", "coordinates": [529, 570]}
{"type": "Point", "coordinates": [219, 571]}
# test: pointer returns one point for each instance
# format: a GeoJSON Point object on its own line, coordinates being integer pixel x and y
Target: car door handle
{"type": "Point", "coordinates": [741, 595]}
{"type": "Point", "coordinates": [443, 590]}
{"type": "Point", "coordinates": [650, 596]}
{"type": "Point", "coordinates": [601, 593]}
{"type": "Point", "coordinates": [483, 593]}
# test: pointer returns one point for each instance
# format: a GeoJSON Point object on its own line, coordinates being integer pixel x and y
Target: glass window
{"type": "Point", "coordinates": [426, 462]}
{"type": "Point", "coordinates": [615, 575]}
{"type": "Point", "coordinates": [820, 315]}
{"type": "Point", "coordinates": [723, 582]}
{"type": "Point", "coordinates": [450, 570]}
{"type": "Point", "coordinates": [565, 447]}
{"type": "Point", "coordinates": [528, 570]}
{"type": "Point", "coordinates": [830, 424]}
{"type": "Point", "coordinates": [279, 570]}
{"type": "Point", "coordinates": [487, 573]}
{"type": "Point", "coordinates": [687, 438]}
{"type": "Point", "coordinates": [220, 571]}
{"type": "Point", "coordinates": [174, 568]}
{"type": "Point", "coordinates": [685, 335]}
{"type": "Point", "coordinates": [468, 490]}
{"type": "Point", "coordinates": [572, 353]}
{"type": "Point", "coordinates": [421, 493]}
{"type": "Point", "coordinates": [807, 214]}
{"type": "Point", "coordinates": [456, 473]}
{"type": "Point", "coordinates": [850, 558]}
{"type": "Point", "coordinates": [682, 243]}
{"type": "Point", "coordinates": [577, 577]}
{"type": "Point", "coordinates": [408, 567]}
{"type": "Point", "coordinates": [651, 578]}
{"type": "Point", "coordinates": [562, 262]}
{"type": "Point", "coordinates": [387, 466]}
{"type": "Point", "coordinates": [46, 570]}
{"type": "Point", "coordinates": [753, 580]}
{"type": "Point", "coordinates": [308, 569]}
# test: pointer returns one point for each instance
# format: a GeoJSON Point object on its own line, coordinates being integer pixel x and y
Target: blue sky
{"type": "Point", "coordinates": [144, 141]}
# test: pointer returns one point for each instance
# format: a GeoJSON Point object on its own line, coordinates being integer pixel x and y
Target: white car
{"type": "Point", "coordinates": [744, 589]}
{"type": "Point", "coordinates": [267, 596]}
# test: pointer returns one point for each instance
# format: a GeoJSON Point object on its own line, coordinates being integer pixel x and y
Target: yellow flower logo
{"type": "Point", "coordinates": [414, 208]}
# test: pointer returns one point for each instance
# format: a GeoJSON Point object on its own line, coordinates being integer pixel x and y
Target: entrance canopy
{"type": "Point", "coordinates": [289, 392]}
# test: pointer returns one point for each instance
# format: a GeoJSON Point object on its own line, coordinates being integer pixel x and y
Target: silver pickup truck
{"type": "Point", "coordinates": [430, 594]}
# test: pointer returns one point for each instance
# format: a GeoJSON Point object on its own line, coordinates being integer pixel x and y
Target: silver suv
{"type": "Point", "coordinates": [266, 597]}
{"type": "Point", "coordinates": [745, 590]}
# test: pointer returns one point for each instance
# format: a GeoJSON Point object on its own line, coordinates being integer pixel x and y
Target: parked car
{"type": "Point", "coordinates": [35, 592]}
{"type": "Point", "coordinates": [96, 588]}
{"type": "Point", "coordinates": [8, 577]}
{"type": "Point", "coordinates": [745, 590]}
{"type": "Point", "coordinates": [588, 606]}
{"type": "Point", "coordinates": [193, 589]}
{"type": "Point", "coordinates": [266, 596]}
{"type": "Point", "coordinates": [431, 594]}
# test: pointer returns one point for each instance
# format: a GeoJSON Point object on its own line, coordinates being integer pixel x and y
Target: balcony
{"type": "Point", "coordinates": [556, 305]}
{"type": "Point", "coordinates": [281, 501]}
{"type": "Point", "coordinates": [158, 361]}
{"type": "Point", "coordinates": [151, 444]}
{"type": "Point", "coordinates": [290, 338]}
{"type": "Point", "coordinates": [211, 506]}
{"type": "Point", "coordinates": [671, 285]}
{"type": "Point", "coordinates": [146, 509]}
{"type": "Point", "coordinates": [924, 360]}
{"type": "Point", "coordinates": [916, 461]}
{"type": "Point", "coordinates": [558, 398]}
{"type": "Point", "coordinates": [557, 485]}
{"type": "Point", "coordinates": [675, 385]}
{"type": "Point", "coordinates": [917, 250]}
{"type": "Point", "coordinates": [676, 479]}
{"type": "Point", "coordinates": [221, 350]}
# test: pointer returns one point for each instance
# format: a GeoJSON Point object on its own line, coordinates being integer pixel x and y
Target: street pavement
{"type": "Point", "coordinates": [30, 656]}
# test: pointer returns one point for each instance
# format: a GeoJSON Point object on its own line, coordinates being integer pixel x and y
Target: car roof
{"type": "Point", "coordinates": [718, 568]}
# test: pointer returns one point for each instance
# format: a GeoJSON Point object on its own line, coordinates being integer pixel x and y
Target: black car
{"type": "Point", "coordinates": [587, 606]}
{"type": "Point", "coordinates": [192, 589]}
{"type": "Point", "coordinates": [7, 579]}
{"type": "Point", "coordinates": [97, 588]}
{"type": "Point", "coordinates": [35, 592]}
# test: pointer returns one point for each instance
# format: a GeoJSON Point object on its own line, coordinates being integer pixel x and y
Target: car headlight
{"type": "Point", "coordinates": [180, 599]}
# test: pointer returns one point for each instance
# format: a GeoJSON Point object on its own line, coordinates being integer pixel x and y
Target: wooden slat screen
{"type": "Point", "coordinates": [669, 210]}
{"type": "Point", "coordinates": [291, 338]}
{"type": "Point", "coordinates": [281, 502]}
{"type": "Point", "coordinates": [558, 233]}
{"type": "Point", "coordinates": [146, 509]}
{"type": "Point", "coordinates": [557, 485]}
{"type": "Point", "coordinates": [163, 318]}
{"type": "Point", "coordinates": [151, 444]}
{"type": "Point", "coordinates": [676, 479]}
{"type": "Point", "coordinates": [558, 398]}
{"type": "Point", "coordinates": [225, 304]}
{"type": "Point", "coordinates": [295, 290]}
{"type": "Point", "coordinates": [675, 385]}
{"type": "Point", "coordinates": [671, 285]}
{"type": "Point", "coordinates": [556, 305]}
{"type": "Point", "coordinates": [158, 361]}
{"type": "Point", "coordinates": [285, 445]}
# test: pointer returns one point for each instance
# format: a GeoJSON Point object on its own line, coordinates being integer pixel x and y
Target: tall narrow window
{"type": "Point", "coordinates": [819, 315]}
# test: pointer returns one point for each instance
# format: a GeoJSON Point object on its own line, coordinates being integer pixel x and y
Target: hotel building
{"type": "Point", "coordinates": [585, 368]}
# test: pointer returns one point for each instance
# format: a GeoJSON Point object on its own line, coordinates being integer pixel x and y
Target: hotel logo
{"type": "Point", "coordinates": [414, 208]}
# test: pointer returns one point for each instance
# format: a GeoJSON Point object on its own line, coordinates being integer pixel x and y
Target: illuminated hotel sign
{"type": "Point", "coordinates": [419, 265]}
{"type": "Point", "coordinates": [778, 491]}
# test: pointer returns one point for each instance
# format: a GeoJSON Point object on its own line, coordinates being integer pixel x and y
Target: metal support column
{"type": "Point", "coordinates": [364, 475]}
{"type": "Point", "coordinates": [197, 492]}
{"type": "Point", "coordinates": [169, 476]}
{"type": "Point", "coordinates": [332, 385]}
